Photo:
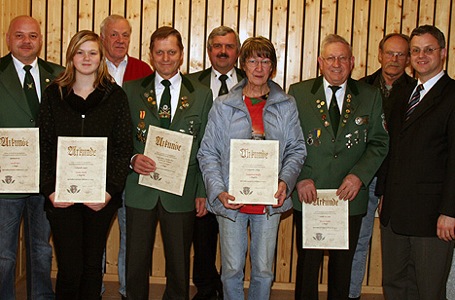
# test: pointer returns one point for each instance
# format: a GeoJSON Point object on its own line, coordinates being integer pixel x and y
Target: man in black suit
{"type": "Point", "coordinates": [223, 46]}
{"type": "Point", "coordinates": [393, 55]}
{"type": "Point", "coordinates": [418, 205]}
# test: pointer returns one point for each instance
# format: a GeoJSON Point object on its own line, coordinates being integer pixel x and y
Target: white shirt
{"type": "Point", "coordinates": [215, 82]}
{"type": "Point", "coordinates": [117, 72]}
{"type": "Point", "coordinates": [428, 85]}
{"type": "Point", "coordinates": [339, 94]}
{"type": "Point", "coordinates": [34, 71]}
{"type": "Point", "coordinates": [176, 83]}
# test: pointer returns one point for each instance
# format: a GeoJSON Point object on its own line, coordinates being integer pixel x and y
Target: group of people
{"type": "Point", "coordinates": [386, 140]}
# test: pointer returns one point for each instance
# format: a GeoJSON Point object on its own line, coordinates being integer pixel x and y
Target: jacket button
{"type": "Point", "coordinates": [31, 120]}
{"type": "Point", "coordinates": [333, 140]}
{"type": "Point", "coordinates": [335, 156]}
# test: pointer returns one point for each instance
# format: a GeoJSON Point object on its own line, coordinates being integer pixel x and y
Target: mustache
{"type": "Point", "coordinates": [222, 55]}
{"type": "Point", "coordinates": [393, 64]}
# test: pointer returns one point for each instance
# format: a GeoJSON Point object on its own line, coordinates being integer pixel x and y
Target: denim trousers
{"type": "Point", "coordinates": [363, 245]}
{"type": "Point", "coordinates": [121, 217]}
{"type": "Point", "coordinates": [38, 249]}
{"type": "Point", "coordinates": [234, 243]}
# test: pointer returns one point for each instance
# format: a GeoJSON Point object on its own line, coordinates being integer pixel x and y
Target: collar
{"type": "Point", "coordinates": [217, 74]}
{"type": "Point", "coordinates": [123, 62]}
{"type": "Point", "coordinates": [175, 80]}
{"type": "Point", "coordinates": [20, 66]}
{"type": "Point", "coordinates": [430, 83]}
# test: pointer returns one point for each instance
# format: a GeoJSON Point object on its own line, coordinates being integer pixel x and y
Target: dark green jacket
{"type": "Point", "coordinates": [361, 143]}
{"type": "Point", "coordinates": [14, 109]}
{"type": "Point", "coordinates": [194, 116]}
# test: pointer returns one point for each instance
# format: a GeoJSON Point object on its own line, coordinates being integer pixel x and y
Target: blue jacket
{"type": "Point", "coordinates": [229, 119]}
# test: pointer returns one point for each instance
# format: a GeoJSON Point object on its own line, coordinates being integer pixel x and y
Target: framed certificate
{"type": "Point", "coordinates": [171, 152]}
{"type": "Point", "coordinates": [81, 169]}
{"type": "Point", "coordinates": [253, 171]}
{"type": "Point", "coordinates": [325, 222]}
{"type": "Point", "coordinates": [19, 160]}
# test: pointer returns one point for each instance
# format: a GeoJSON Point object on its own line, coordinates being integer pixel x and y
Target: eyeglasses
{"type": "Point", "coordinates": [426, 51]}
{"type": "Point", "coordinates": [391, 54]}
{"type": "Point", "coordinates": [253, 63]}
{"type": "Point", "coordinates": [341, 59]}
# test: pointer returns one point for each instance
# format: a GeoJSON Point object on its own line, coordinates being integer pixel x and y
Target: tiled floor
{"type": "Point", "coordinates": [156, 292]}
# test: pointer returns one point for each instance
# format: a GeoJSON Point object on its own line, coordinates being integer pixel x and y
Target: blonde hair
{"type": "Point", "coordinates": [68, 77]}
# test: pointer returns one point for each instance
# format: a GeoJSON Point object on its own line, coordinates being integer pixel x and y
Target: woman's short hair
{"type": "Point", "coordinates": [261, 47]}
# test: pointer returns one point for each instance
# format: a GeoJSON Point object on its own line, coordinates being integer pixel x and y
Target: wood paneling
{"type": "Point", "coordinates": [295, 27]}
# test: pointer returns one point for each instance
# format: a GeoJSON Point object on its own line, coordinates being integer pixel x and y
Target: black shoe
{"type": "Point", "coordinates": [357, 298]}
{"type": "Point", "coordinates": [123, 297]}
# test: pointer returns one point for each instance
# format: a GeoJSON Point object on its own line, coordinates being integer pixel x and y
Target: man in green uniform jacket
{"type": "Point", "coordinates": [24, 40]}
{"type": "Point", "coordinates": [343, 124]}
{"type": "Point", "coordinates": [189, 104]}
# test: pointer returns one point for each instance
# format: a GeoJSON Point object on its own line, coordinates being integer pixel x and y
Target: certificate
{"type": "Point", "coordinates": [81, 169]}
{"type": "Point", "coordinates": [253, 171]}
{"type": "Point", "coordinates": [325, 222]}
{"type": "Point", "coordinates": [171, 152]}
{"type": "Point", "coordinates": [19, 160]}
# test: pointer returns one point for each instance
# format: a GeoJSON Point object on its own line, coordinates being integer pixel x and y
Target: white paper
{"type": "Point", "coordinates": [325, 223]}
{"type": "Point", "coordinates": [253, 171]}
{"type": "Point", "coordinates": [171, 152]}
{"type": "Point", "coordinates": [81, 169]}
{"type": "Point", "coordinates": [19, 160]}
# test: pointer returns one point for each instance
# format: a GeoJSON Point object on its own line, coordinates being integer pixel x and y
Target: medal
{"type": "Point", "coordinates": [349, 141]}
{"type": "Point", "coordinates": [141, 131]}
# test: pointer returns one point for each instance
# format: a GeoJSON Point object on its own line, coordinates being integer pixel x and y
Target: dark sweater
{"type": "Point", "coordinates": [106, 114]}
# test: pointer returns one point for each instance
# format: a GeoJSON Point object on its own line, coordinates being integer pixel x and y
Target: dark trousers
{"type": "Point", "coordinates": [414, 268]}
{"type": "Point", "coordinates": [339, 269]}
{"type": "Point", "coordinates": [205, 275]}
{"type": "Point", "coordinates": [79, 235]}
{"type": "Point", "coordinates": [177, 234]}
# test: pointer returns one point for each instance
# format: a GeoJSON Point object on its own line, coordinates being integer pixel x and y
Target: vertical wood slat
{"type": "Point", "coordinates": [295, 27]}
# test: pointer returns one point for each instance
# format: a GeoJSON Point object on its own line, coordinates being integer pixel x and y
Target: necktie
{"type": "Point", "coordinates": [413, 102]}
{"type": "Point", "coordinates": [165, 105]}
{"type": "Point", "coordinates": [334, 111]}
{"type": "Point", "coordinates": [30, 91]}
{"type": "Point", "coordinates": [223, 88]}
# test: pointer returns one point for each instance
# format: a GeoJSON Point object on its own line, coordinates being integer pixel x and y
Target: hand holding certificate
{"type": "Point", "coordinates": [325, 222]}
{"type": "Point", "coordinates": [81, 169]}
{"type": "Point", "coordinates": [171, 152]}
{"type": "Point", "coordinates": [253, 171]}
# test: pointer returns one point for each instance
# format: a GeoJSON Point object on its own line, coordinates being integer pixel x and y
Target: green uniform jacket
{"type": "Point", "coordinates": [361, 143]}
{"type": "Point", "coordinates": [190, 118]}
{"type": "Point", "coordinates": [14, 109]}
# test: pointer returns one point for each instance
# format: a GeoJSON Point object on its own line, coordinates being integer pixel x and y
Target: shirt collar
{"type": "Point", "coordinates": [20, 66]}
{"type": "Point", "coordinates": [217, 74]}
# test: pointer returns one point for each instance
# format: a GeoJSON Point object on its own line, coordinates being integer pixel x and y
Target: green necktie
{"type": "Point", "coordinates": [165, 105]}
{"type": "Point", "coordinates": [223, 88]}
{"type": "Point", "coordinates": [334, 110]}
{"type": "Point", "coordinates": [30, 91]}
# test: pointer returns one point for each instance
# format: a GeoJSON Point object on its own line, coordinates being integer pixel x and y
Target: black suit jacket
{"type": "Point", "coordinates": [420, 178]}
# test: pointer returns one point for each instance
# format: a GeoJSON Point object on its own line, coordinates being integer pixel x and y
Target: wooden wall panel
{"type": "Point", "coordinates": [295, 27]}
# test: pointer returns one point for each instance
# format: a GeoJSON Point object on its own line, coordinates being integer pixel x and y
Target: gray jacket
{"type": "Point", "coordinates": [229, 119]}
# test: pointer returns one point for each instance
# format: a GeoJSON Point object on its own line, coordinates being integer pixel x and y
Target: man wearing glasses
{"type": "Point", "coordinates": [343, 125]}
{"type": "Point", "coordinates": [418, 203]}
{"type": "Point", "coordinates": [393, 55]}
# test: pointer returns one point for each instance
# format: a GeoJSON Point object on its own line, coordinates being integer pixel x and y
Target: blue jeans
{"type": "Point", "coordinates": [361, 252]}
{"type": "Point", "coordinates": [234, 243]}
{"type": "Point", "coordinates": [38, 250]}
{"type": "Point", "coordinates": [121, 217]}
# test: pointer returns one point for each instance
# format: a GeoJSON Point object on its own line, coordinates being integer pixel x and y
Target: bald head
{"type": "Point", "coordinates": [24, 39]}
